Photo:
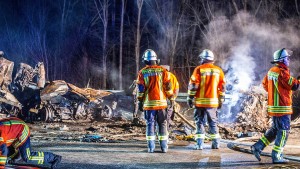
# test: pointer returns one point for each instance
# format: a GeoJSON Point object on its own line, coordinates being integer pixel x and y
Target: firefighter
{"type": "Point", "coordinates": [175, 88]}
{"type": "Point", "coordinates": [206, 91]}
{"type": "Point", "coordinates": [15, 140]}
{"type": "Point", "coordinates": [154, 88]}
{"type": "Point", "coordinates": [279, 84]}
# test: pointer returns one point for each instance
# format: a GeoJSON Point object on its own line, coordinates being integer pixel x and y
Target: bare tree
{"type": "Point", "coordinates": [138, 36]}
{"type": "Point", "coordinates": [121, 46]}
{"type": "Point", "coordinates": [102, 9]}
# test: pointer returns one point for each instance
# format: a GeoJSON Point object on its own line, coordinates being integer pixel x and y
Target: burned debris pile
{"type": "Point", "coordinates": [252, 117]}
{"type": "Point", "coordinates": [29, 97]}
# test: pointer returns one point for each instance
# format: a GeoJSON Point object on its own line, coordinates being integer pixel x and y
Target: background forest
{"type": "Point", "coordinates": [99, 43]}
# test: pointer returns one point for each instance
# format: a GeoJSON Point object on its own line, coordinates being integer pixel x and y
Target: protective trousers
{"type": "Point", "coordinates": [38, 157]}
{"type": "Point", "coordinates": [212, 119]}
{"type": "Point", "coordinates": [160, 117]}
{"type": "Point", "coordinates": [278, 132]}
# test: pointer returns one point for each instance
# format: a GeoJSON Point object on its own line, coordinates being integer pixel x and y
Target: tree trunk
{"type": "Point", "coordinates": [138, 36]}
{"type": "Point", "coordinates": [121, 46]}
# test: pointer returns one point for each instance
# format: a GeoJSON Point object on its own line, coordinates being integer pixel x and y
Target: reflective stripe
{"type": "Point", "coordinates": [207, 101]}
{"type": "Point", "coordinates": [165, 137]}
{"type": "Point", "coordinates": [10, 141]}
{"type": "Point", "coordinates": [23, 137]}
{"type": "Point", "coordinates": [1, 139]}
{"type": "Point", "coordinates": [290, 81]}
{"type": "Point", "coordinates": [3, 160]}
{"type": "Point", "coordinates": [14, 154]}
{"type": "Point", "coordinates": [10, 122]}
{"type": "Point", "coordinates": [191, 92]}
{"type": "Point", "coordinates": [280, 109]}
{"type": "Point", "coordinates": [282, 141]}
{"type": "Point", "coordinates": [276, 94]}
{"type": "Point", "coordinates": [214, 136]}
{"type": "Point", "coordinates": [40, 158]}
{"type": "Point", "coordinates": [265, 140]}
{"type": "Point", "coordinates": [153, 103]}
{"type": "Point", "coordinates": [277, 149]}
{"type": "Point", "coordinates": [150, 137]}
{"type": "Point", "coordinates": [201, 136]}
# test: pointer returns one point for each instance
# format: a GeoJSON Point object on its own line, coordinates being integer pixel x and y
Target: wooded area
{"type": "Point", "coordinates": [99, 43]}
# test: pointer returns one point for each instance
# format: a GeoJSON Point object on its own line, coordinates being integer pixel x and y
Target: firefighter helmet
{"type": "Point", "coordinates": [280, 54]}
{"type": "Point", "coordinates": [207, 55]}
{"type": "Point", "coordinates": [149, 55]}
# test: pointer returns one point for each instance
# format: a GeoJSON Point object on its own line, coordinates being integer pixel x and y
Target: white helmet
{"type": "Point", "coordinates": [149, 54]}
{"type": "Point", "coordinates": [207, 55]}
{"type": "Point", "coordinates": [280, 54]}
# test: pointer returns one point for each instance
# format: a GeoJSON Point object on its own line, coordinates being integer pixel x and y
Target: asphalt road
{"type": "Point", "coordinates": [133, 155]}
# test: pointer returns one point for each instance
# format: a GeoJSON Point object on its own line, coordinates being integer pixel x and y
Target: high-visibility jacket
{"type": "Point", "coordinates": [207, 85]}
{"type": "Point", "coordinates": [13, 132]}
{"type": "Point", "coordinates": [279, 85]}
{"type": "Point", "coordinates": [175, 85]}
{"type": "Point", "coordinates": [154, 87]}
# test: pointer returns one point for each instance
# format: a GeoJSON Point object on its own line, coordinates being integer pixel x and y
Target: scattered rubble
{"type": "Point", "coordinates": [84, 114]}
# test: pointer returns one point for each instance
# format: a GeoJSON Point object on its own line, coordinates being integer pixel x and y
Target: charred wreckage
{"type": "Point", "coordinates": [29, 96]}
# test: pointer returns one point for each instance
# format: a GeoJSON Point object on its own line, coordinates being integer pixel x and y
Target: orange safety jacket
{"type": "Point", "coordinates": [207, 84]}
{"type": "Point", "coordinates": [13, 132]}
{"type": "Point", "coordinates": [279, 83]}
{"type": "Point", "coordinates": [154, 87]}
{"type": "Point", "coordinates": [175, 85]}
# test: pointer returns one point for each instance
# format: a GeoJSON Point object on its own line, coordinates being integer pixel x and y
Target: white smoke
{"type": "Point", "coordinates": [244, 47]}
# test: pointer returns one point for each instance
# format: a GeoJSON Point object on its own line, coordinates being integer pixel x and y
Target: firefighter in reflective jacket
{"type": "Point", "coordinates": [15, 140]}
{"type": "Point", "coordinates": [175, 89]}
{"type": "Point", "coordinates": [206, 88]}
{"type": "Point", "coordinates": [279, 85]}
{"type": "Point", "coordinates": [154, 88]}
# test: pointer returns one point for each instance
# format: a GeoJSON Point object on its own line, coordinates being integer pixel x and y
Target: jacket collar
{"type": "Point", "coordinates": [282, 65]}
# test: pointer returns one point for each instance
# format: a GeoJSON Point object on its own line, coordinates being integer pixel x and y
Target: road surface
{"type": "Point", "coordinates": [133, 155]}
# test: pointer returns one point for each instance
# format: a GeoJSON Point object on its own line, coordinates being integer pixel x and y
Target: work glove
{"type": "Point", "coordinates": [141, 105]}
{"type": "Point", "coordinates": [190, 102]}
{"type": "Point", "coordinates": [221, 99]}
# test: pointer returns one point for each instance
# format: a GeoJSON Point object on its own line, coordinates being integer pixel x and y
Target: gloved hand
{"type": "Point", "coordinates": [221, 99]}
{"type": "Point", "coordinates": [141, 105]}
{"type": "Point", "coordinates": [190, 102]}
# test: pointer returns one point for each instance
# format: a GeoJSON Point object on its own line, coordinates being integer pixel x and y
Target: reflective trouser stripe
{"type": "Point", "coordinates": [201, 136]}
{"type": "Point", "coordinates": [214, 136]}
{"type": "Point", "coordinates": [39, 158]}
{"type": "Point", "coordinates": [150, 137]}
{"type": "Point", "coordinates": [279, 148]}
{"type": "Point", "coordinates": [282, 141]}
{"type": "Point", "coordinates": [265, 140]}
{"type": "Point", "coordinates": [3, 160]}
{"type": "Point", "coordinates": [15, 153]}
{"type": "Point", "coordinates": [165, 137]}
